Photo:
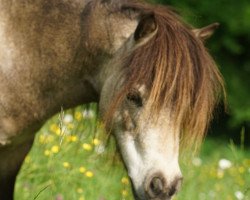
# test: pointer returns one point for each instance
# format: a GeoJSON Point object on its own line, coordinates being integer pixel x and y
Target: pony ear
{"type": "Point", "coordinates": [206, 32]}
{"type": "Point", "coordinates": [146, 27]}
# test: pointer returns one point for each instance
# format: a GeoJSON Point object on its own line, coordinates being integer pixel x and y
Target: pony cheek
{"type": "Point", "coordinates": [130, 153]}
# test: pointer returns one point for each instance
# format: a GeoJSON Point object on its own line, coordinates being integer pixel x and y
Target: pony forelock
{"type": "Point", "coordinates": [179, 74]}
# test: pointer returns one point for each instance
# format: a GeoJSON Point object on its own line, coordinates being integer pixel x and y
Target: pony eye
{"type": "Point", "coordinates": [135, 98]}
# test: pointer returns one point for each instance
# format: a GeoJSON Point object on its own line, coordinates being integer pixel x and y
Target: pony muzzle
{"type": "Point", "coordinates": [157, 187]}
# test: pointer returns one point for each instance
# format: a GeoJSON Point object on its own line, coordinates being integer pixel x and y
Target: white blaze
{"type": "Point", "coordinates": [153, 150]}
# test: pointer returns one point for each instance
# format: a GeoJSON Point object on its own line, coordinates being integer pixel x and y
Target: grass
{"type": "Point", "coordinates": [70, 160]}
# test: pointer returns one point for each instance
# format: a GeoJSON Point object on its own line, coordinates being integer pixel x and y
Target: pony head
{"type": "Point", "coordinates": [158, 92]}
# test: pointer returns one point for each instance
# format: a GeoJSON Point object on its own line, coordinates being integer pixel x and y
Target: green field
{"type": "Point", "coordinates": [73, 160]}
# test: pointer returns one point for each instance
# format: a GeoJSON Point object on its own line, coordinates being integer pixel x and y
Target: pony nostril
{"type": "Point", "coordinates": [156, 186]}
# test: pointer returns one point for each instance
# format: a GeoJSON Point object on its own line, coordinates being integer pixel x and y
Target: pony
{"type": "Point", "coordinates": [154, 81]}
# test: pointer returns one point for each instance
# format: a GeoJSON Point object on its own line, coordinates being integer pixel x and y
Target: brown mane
{"type": "Point", "coordinates": [179, 72]}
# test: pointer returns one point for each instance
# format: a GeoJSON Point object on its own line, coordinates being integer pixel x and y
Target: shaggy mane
{"type": "Point", "coordinates": [179, 73]}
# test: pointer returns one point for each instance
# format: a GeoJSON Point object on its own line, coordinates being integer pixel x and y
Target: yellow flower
{"type": "Point", "coordinates": [72, 138]}
{"type": "Point", "coordinates": [124, 193]}
{"type": "Point", "coordinates": [125, 180]}
{"type": "Point", "coordinates": [55, 129]}
{"type": "Point", "coordinates": [89, 174]}
{"type": "Point", "coordinates": [55, 149]}
{"type": "Point", "coordinates": [78, 116]}
{"type": "Point", "coordinates": [82, 170]}
{"type": "Point", "coordinates": [81, 198]}
{"type": "Point", "coordinates": [66, 165]}
{"type": "Point", "coordinates": [27, 159]}
{"type": "Point", "coordinates": [87, 147]}
{"type": "Point", "coordinates": [42, 139]}
{"type": "Point", "coordinates": [96, 142]}
{"type": "Point", "coordinates": [79, 190]}
{"type": "Point", "coordinates": [47, 152]}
